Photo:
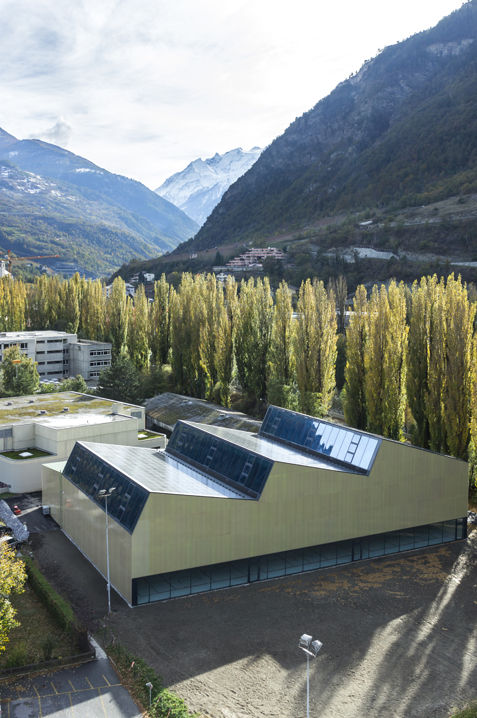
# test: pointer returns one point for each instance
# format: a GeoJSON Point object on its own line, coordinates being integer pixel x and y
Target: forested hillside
{"type": "Point", "coordinates": [401, 132]}
{"type": "Point", "coordinates": [97, 219]}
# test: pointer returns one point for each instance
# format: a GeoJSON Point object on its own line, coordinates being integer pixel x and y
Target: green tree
{"type": "Point", "coordinates": [385, 360]}
{"type": "Point", "coordinates": [117, 317]}
{"type": "Point", "coordinates": [160, 331]}
{"type": "Point", "coordinates": [12, 580]}
{"type": "Point", "coordinates": [138, 330]}
{"type": "Point", "coordinates": [354, 404]}
{"type": "Point", "coordinates": [121, 382]}
{"type": "Point", "coordinates": [315, 347]}
{"type": "Point", "coordinates": [282, 379]}
{"type": "Point", "coordinates": [252, 333]}
{"type": "Point", "coordinates": [76, 383]}
{"type": "Point", "coordinates": [19, 374]}
{"type": "Point", "coordinates": [436, 363]}
{"type": "Point", "coordinates": [418, 359]}
{"type": "Point", "coordinates": [93, 311]}
{"type": "Point", "coordinates": [457, 388]}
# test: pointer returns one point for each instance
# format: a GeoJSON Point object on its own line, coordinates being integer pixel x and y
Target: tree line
{"type": "Point", "coordinates": [410, 354]}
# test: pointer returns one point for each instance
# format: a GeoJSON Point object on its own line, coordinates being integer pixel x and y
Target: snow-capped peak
{"type": "Point", "coordinates": [200, 186]}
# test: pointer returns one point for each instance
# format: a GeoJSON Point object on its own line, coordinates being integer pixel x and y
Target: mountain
{"type": "Point", "coordinates": [55, 202]}
{"type": "Point", "coordinates": [401, 132]}
{"type": "Point", "coordinates": [40, 216]}
{"type": "Point", "coordinates": [96, 183]}
{"type": "Point", "coordinates": [200, 186]}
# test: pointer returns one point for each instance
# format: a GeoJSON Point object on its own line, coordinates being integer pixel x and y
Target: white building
{"type": "Point", "coordinates": [59, 354]}
{"type": "Point", "coordinates": [44, 427]}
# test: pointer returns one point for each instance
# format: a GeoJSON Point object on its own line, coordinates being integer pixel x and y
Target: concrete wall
{"type": "Point", "coordinates": [24, 476]}
{"type": "Point", "coordinates": [85, 523]}
{"type": "Point", "coordinates": [300, 507]}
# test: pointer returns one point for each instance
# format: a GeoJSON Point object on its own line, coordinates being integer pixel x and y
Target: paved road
{"type": "Point", "coordinates": [31, 513]}
{"type": "Point", "coordinates": [91, 690]}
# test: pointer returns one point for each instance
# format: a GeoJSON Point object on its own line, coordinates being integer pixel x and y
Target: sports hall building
{"type": "Point", "coordinates": [221, 507]}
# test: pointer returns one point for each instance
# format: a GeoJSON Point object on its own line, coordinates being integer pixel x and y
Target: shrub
{"type": "Point", "coordinates": [18, 656]}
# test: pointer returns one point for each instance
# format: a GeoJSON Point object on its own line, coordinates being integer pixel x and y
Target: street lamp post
{"type": "Point", "coordinates": [311, 648]}
{"type": "Point", "coordinates": [103, 494]}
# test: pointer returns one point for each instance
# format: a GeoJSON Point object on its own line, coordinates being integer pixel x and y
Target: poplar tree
{"type": "Point", "coordinates": [117, 317]}
{"type": "Point", "coordinates": [252, 333]}
{"type": "Point", "coordinates": [224, 358]}
{"type": "Point", "coordinates": [395, 364]}
{"type": "Point", "coordinates": [187, 316]}
{"type": "Point", "coordinates": [418, 359]}
{"type": "Point", "coordinates": [315, 347]}
{"type": "Point", "coordinates": [436, 363]}
{"type": "Point", "coordinates": [282, 364]}
{"type": "Point", "coordinates": [339, 288]}
{"type": "Point", "coordinates": [93, 311]}
{"type": "Point", "coordinates": [212, 298]}
{"type": "Point", "coordinates": [354, 404]}
{"type": "Point", "coordinates": [138, 330]}
{"type": "Point", "coordinates": [457, 388]}
{"type": "Point", "coordinates": [377, 323]}
{"type": "Point", "coordinates": [159, 323]}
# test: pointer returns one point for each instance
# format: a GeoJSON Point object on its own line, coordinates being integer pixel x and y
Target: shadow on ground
{"type": "Point", "coordinates": [399, 635]}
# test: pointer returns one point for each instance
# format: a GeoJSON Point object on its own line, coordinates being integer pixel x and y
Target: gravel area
{"type": "Point", "coordinates": [399, 635]}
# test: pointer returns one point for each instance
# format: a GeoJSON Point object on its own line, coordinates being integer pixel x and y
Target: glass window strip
{"type": "Point", "coordinates": [259, 568]}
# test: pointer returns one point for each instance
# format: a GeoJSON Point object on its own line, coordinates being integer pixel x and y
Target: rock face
{"type": "Point", "coordinates": [200, 186]}
{"type": "Point", "coordinates": [325, 161]}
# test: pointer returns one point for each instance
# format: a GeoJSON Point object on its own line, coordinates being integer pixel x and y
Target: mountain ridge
{"type": "Point", "coordinates": [199, 187]}
{"type": "Point", "coordinates": [315, 168]}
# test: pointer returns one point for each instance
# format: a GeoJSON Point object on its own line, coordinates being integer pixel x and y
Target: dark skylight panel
{"type": "Point", "coordinates": [343, 445]}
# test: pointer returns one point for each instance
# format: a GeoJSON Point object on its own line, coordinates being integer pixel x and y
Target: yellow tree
{"type": "Point", "coordinates": [315, 347]}
{"type": "Point", "coordinates": [418, 358]}
{"type": "Point", "coordinates": [457, 388]}
{"type": "Point", "coordinates": [12, 580]}
{"type": "Point", "coordinates": [282, 363]}
{"type": "Point", "coordinates": [159, 322]}
{"type": "Point", "coordinates": [93, 310]}
{"type": "Point", "coordinates": [395, 363]}
{"type": "Point", "coordinates": [138, 330]}
{"type": "Point", "coordinates": [354, 404]}
{"type": "Point", "coordinates": [117, 317]}
{"type": "Point", "coordinates": [436, 363]}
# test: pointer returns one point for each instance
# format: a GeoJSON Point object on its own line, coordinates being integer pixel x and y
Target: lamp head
{"type": "Point", "coordinates": [310, 646]}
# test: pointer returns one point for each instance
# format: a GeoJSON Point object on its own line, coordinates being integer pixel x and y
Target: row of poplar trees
{"type": "Point", "coordinates": [407, 350]}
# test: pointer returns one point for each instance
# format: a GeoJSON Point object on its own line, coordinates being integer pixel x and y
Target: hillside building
{"type": "Point", "coordinates": [221, 507]}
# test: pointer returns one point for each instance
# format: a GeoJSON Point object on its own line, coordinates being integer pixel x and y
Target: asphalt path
{"type": "Point", "coordinates": [32, 512]}
{"type": "Point", "coordinates": [91, 690]}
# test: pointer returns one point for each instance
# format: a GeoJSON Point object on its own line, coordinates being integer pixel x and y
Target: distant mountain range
{"type": "Point", "coordinates": [53, 198]}
{"type": "Point", "coordinates": [201, 185]}
{"type": "Point", "coordinates": [401, 132]}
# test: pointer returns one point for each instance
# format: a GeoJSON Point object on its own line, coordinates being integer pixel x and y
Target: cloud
{"type": "Point", "coordinates": [59, 134]}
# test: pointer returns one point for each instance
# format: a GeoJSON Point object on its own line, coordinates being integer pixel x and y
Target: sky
{"type": "Point", "coordinates": [143, 87]}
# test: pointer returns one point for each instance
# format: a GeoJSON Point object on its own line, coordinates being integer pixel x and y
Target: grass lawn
{"type": "Point", "coordinates": [35, 454]}
{"type": "Point", "coordinates": [469, 712]}
{"type": "Point", "coordinates": [145, 434]}
{"type": "Point", "coordinates": [38, 637]}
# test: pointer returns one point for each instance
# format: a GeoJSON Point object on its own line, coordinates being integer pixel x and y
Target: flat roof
{"type": "Point", "coordinates": [170, 408]}
{"type": "Point", "coordinates": [26, 409]}
{"type": "Point", "coordinates": [46, 334]}
{"type": "Point", "coordinates": [159, 473]}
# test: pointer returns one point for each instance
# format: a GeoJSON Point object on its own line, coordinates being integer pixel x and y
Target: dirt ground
{"type": "Point", "coordinates": [399, 635]}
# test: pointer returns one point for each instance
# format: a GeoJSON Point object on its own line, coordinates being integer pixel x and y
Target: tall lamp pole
{"type": "Point", "coordinates": [103, 494]}
{"type": "Point", "coordinates": [311, 648]}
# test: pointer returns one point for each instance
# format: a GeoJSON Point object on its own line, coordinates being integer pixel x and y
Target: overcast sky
{"type": "Point", "coordinates": [143, 87]}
